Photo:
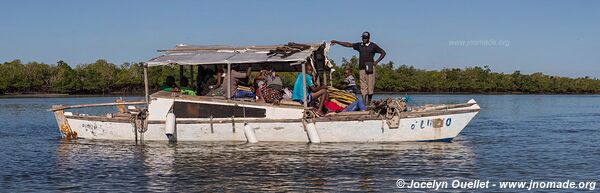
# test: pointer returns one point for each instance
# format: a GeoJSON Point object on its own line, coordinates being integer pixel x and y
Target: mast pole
{"type": "Point", "coordinates": [147, 96]}
{"type": "Point", "coordinates": [330, 77]}
{"type": "Point", "coordinates": [191, 82]}
{"type": "Point", "coordinates": [180, 74]}
{"type": "Point", "coordinates": [229, 80]}
{"type": "Point", "coordinates": [305, 103]}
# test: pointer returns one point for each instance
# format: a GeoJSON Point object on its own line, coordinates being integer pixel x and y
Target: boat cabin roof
{"type": "Point", "coordinates": [279, 57]}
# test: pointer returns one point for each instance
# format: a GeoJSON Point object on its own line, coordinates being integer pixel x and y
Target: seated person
{"type": "Point", "coordinates": [204, 79]}
{"type": "Point", "coordinates": [234, 81]}
{"type": "Point", "coordinates": [185, 89]}
{"type": "Point", "coordinates": [319, 92]}
{"type": "Point", "coordinates": [216, 86]}
{"type": "Point", "coordinates": [170, 85]}
{"type": "Point", "coordinates": [262, 76]}
{"type": "Point", "coordinates": [219, 77]}
{"type": "Point", "coordinates": [271, 91]}
{"type": "Point", "coordinates": [350, 82]}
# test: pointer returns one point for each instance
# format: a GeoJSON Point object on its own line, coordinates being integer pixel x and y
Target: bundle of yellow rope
{"type": "Point", "coordinates": [340, 97]}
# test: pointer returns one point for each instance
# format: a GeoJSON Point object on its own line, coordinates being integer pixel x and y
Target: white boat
{"type": "Point", "coordinates": [168, 116]}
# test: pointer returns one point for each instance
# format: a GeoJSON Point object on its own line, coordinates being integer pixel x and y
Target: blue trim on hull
{"type": "Point", "coordinates": [438, 140]}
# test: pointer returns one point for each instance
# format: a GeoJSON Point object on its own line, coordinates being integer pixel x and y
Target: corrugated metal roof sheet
{"type": "Point", "coordinates": [201, 55]}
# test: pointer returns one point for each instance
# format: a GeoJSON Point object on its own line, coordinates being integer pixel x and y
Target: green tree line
{"type": "Point", "coordinates": [476, 79]}
{"type": "Point", "coordinates": [102, 77]}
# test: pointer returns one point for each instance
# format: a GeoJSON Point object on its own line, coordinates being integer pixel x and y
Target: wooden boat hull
{"type": "Point", "coordinates": [442, 125]}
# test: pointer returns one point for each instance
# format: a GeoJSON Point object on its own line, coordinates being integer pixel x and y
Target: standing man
{"type": "Point", "coordinates": [366, 64]}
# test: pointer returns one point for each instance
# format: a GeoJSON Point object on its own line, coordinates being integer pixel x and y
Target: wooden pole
{"type": "Point", "coordinates": [305, 103]}
{"type": "Point", "coordinates": [330, 77]}
{"type": "Point", "coordinates": [180, 74]}
{"type": "Point", "coordinates": [97, 105]}
{"type": "Point", "coordinates": [229, 80]}
{"type": "Point", "coordinates": [146, 90]}
{"type": "Point", "coordinates": [191, 76]}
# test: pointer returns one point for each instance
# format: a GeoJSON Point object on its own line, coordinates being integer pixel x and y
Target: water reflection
{"type": "Point", "coordinates": [514, 137]}
{"type": "Point", "coordinates": [159, 166]}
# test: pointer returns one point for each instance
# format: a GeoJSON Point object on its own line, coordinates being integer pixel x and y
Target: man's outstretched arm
{"type": "Point", "coordinates": [345, 44]}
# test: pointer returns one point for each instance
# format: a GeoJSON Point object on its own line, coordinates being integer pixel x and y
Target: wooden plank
{"type": "Point", "coordinates": [453, 106]}
{"type": "Point", "coordinates": [436, 113]}
{"type": "Point", "coordinates": [215, 48]}
{"type": "Point", "coordinates": [63, 126]}
{"type": "Point", "coordinates": [351, 113]}
{"type": "Point", "coordinates": [290, 103]}
{"type": "Point", "coordinates": [56, 108]}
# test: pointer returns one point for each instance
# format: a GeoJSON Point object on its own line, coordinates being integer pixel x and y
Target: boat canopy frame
{"type": "Point", "coordinates": [287, 60]}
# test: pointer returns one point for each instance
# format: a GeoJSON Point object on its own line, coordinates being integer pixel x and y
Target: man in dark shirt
{"type": "Point", "coordinates": [366, 64]}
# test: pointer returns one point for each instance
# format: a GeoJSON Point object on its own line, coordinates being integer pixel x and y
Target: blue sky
{"type": "Point", "coordinates": [554, 37]}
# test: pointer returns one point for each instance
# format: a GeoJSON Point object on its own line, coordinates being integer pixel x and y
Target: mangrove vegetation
{"type": "Point", "coordinates": [102, 77]}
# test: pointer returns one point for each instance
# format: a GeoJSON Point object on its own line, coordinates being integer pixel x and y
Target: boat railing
{"type": "Point", "coordinates": [62, 107]}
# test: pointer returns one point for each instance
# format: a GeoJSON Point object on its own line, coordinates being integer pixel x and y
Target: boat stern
{"type": "Point", "coordinates": [63, 125]}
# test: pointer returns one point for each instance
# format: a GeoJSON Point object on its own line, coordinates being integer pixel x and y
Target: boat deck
{"type": "Point", "coordinates": [285, 103]}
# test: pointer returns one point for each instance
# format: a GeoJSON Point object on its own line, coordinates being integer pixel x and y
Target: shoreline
{"type": "Point", "coordinates": [479, 93]}
{"type": "Point", "coordinates": [57, 95]}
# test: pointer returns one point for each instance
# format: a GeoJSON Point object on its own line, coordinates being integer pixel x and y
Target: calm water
{"type": "Point", "coordinates": [513, 138]}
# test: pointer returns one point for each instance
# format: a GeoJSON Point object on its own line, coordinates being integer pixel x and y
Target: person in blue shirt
{"type": "Point", "coordinates": [314, 92]}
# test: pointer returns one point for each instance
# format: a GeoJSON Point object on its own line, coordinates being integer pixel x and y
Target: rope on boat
{"type": "Point", "coordinates": [309, 114]}
{"type": "Point", "coordinates": [140, 123]}
{"type": "Point", "coordinates": [390, 109]}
